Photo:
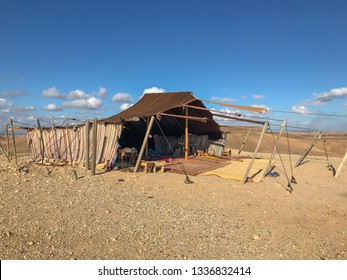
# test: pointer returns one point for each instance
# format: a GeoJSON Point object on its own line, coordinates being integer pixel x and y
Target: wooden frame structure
{"type": "Point", "coordinates": [318, 136]}
{"type": "Point", "coordinates": [245, 177]}
{"type": "Point", "coordinates": [341, 165]}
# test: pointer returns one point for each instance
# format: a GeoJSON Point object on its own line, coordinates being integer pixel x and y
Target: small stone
{"type": "Point", "coordinates": [30, 243]}
{"type": "Point", "coordinates": [255, 237]}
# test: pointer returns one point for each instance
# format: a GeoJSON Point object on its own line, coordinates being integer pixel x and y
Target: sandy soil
{"type": "Point", "coordinates": [47, 214]}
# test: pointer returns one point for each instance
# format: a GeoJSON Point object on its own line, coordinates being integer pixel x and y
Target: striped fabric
{"type": "Point", "coordinates": [68, 143]}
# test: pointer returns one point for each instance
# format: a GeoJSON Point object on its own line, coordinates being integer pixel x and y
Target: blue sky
{"type": "Point", "coordinates": [90, 59]}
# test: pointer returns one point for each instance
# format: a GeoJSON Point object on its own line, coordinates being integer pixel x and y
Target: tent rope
{"type": "Point", "coordinates": [289, 186]}
{"type": "Point", "coordinates": [187, 180]}
{"type": "Point", "coordinates": [326, 153]}
{"type": "Point", "coordinates": [292, 179]}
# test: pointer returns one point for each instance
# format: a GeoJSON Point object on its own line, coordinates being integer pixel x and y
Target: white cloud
{"type": "Point", "coordinates": [345, 104]}
{"type": "Point", "coordinates": [5, 103]}
{"type": "Point", "coordinates": [52, 107]}
{"type": "Point", "coordinates": [13, 93]}
{"type": "Point", "coordinates": [223, 99]}
{"type": "Point", "coordinates": [6, 110]}
{"type": "Point", "coordinates": [154, 90]}
{"type": "Point", "coordinates": [300, 109]}
{"type": "Point", "coordinates": [77, 94]}
{"type": "Point", "coordinates": [243, 97]}
{"type": "Point", "coordinates": [102, 92]}
{"type": "Point", "coordinates": [125, 106]}
{"type": "Point", "coordinates": [26, 108]}
{"type": "Point", "coordinates": [257, 96]}
{"type": "Point", "coordinates": [91, 103]}
{"type": "Point", "coordinates": [324, 97]}
{"type": "Point", "coordinates": [230, 111]}
{"type": "Point", "coordinates": [122, 97]}
{"type": "Point", "coordinates": [52, 93]}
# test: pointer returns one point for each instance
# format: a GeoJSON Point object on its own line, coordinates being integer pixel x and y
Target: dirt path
{"type": "Point", "coordinates": [119, 215]}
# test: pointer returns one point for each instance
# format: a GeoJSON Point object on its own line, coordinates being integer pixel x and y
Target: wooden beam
{"type": "Point", "coordinates": [223, 115]}
{"type": "Point", "coordinates": [341, 164]}
{"type": "Point", "coordinates": [210, 110]}
{"type": "Point", "coordinates": [184, 117]}
{"type": "Point", "coordinates": [186, 141]}
{"type": "Point", "coordinates": [86, 144]}
{"type": "Point", "coordinates": [55, 142]}
{"type": "Point", "coordinates": [69, 141]}
{"type": "Point", "coordinates": [42, 143]}
{"type": "Point", "coordinates": [14, 141]}
{"type": "Point", "coordinates": [145, 139]}
{"type": "Point", "coordinates": [308, 149]}
{"type": "Point", "coordinates": [94, 143]}
{"type": "Point", "coordinates": [247, 108]}
{"type": "Point", "coordinates": [8, 144]}
{"type": "Point", "coordinates": [245, 177]}
{"type": "Point", "coordinates": [283, 125]}
{"type": "Point", "coordinates": [238, 119]}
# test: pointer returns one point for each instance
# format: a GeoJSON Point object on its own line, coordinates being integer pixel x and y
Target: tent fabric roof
{"type": "Point", "coordinates": [153, 103]}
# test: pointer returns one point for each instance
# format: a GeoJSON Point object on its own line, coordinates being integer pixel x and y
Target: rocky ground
{"type": "Point", "coordinates": [47, 214]}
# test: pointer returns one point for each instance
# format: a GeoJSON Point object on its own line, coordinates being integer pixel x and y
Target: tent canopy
{"type": "Point", "coordinates": [152, 104]}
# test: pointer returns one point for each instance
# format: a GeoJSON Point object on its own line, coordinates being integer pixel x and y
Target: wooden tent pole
{"type": "Point", "coordinates": [184, 117]}
{"type": "Point", "coordinates": [247, 108]}
{"type": "Point", "coordinates": [42, 144]}
{"type": "Point", "coordinates": [275, 148]}
{"type": "Point", "coordinates": [86, 144]}
{"type": "Point", "coordinates": [245, 177]}
{"type": "Point", "coordinates": [341, 164]}
{"type": "Point", "coordinates": [55, 142]}
{"type": "Point", "coordinates": [186, 131]}
{"type": "Point", "coordinates": [308, 149]}
{"type": "Point", "coordinates": [149, 128]}
{"type": "Point", "coordinates": [8, 144]}
{"type": "Point", "coordinates": [146, 151]}
{"type": "Point", "coordinates": [238, 119]}
{"type": "Point", "coordinates": [14, 141]}
{"type": "Point", "coordinates": [94, 140]}
{"type": "Point", "coordinates": [244, 142]}
{"type": "Point", "coordinates": [69, 141]}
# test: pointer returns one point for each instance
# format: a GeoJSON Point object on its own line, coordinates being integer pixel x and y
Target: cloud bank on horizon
{"type": "Point", "coordinates": [83, 102]}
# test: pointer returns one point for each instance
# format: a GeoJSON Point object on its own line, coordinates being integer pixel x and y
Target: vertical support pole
{"type": "Point", "coordinates": [275, 148]}
{"type": "Point", "coordinates": [341, 164]}
{"type": "Point", "coordinates": [149, 128]}
{"type": "Point", "coordinates": [14, 141]}
{"type": "Point", "coordinates": [255, 153]}
{"type": "Point", "coordinates": [94, 136]}
{"type": "Point", "coordinates": [186, 142]}
{"type": "Point", "coordinates": [69, 141]}
{"type": "Point", "coordinates": [8, 144]}
{"type": "Point", "coordinates": [42, 144]}
{"type": "Point", "coordinates": [86, 144]}
{"type": "Point", "coordinates": [146, 151]}
{"type": "Point", "coordinates": [55, 143]}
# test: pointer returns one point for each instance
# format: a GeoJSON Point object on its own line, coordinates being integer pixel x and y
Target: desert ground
{"type": "Point", "coordinates": [46, 213]}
